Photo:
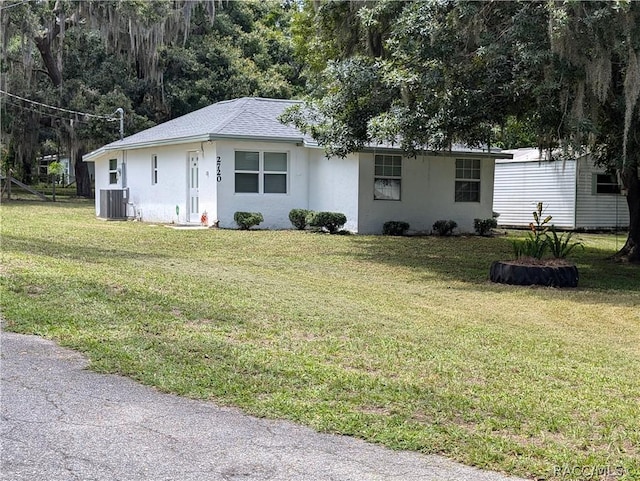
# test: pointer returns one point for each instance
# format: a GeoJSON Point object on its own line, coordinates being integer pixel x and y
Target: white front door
{"type": "Point", "coordinates": [194, 198]}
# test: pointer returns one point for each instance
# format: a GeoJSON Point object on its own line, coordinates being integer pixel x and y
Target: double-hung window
{"type": "Point", "coordinates": [261, 172]}
{"type": "Point", "coordinates": [113, 171]}
{"type": "Point", "coordinates": [606, 184]}
{"type": "Point", "coordinates": [387, 177]}
{"type": "Point", "coordinates": [467, 180]}
{"type": "Point", "coordinates": [154, 169]}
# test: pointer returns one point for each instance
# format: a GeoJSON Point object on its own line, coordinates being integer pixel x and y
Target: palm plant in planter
{"type": "Point", "coordinates": [531, 266]}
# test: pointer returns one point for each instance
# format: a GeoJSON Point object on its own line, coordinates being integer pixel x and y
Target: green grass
{"type": "Point", "coordinates": [400, 341]}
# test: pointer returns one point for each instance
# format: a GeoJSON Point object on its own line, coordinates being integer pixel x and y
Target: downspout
{"type": "Point", "coordinates": [575, 194]}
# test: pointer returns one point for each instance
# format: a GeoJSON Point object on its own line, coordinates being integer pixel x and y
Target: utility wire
{"type": "Point", "coordinates": [106, 117]}
{"type": "Point", "coordinates": [13, 4]}
{"type": "Point", "coordinates": [19, 105]}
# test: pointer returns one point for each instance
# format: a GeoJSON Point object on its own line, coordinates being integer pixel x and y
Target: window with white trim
{"type": "Point", "coordinates": [467, 180]}
{"type": "Point", "coordinates": [261, 172]}
{"type": "Point", "coordinates": [387, 180]}
{"type": "Point", "coordinates": [113, 171]}
{"type": "Point", "coordinates": [606, 184]}
{"type": "Point", "coordinates": [154, 169]}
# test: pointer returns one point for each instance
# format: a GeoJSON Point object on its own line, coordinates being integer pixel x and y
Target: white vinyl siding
{"type": "Point", "coordinates": [598, 210]}
{"type": "Point", "coordinates": [519, 186]}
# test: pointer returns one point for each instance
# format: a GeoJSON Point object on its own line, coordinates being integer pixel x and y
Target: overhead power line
{"type": "Point", "coordinates": [5, 7]}
{"type": "Point", "coordinates": [60, 109]}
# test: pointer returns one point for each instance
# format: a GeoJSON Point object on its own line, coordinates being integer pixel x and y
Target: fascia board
{"type": "Point", "coordinates": [142, 145]}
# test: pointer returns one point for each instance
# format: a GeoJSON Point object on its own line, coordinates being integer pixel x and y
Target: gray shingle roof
{"type": "Point", "coordinates": [248, 117]}
{"type": "Point", "coordinates": [251, 118]}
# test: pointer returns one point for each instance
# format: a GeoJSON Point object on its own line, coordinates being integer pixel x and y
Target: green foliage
{"type": "Point", "coordinates": [394, 227]}
{"type": "Point", "coordinates": [331, 221]}
{"type": "Point", "coordinates": [560, 75]}
{"type": "Point", "coordinates": [444, 228]}
{"type": "Point", "coordinates": [300, 218]}
{"type": "Point", "coordinates": [483, 226]}
{"type": "Point", "coordinates": [539, 242]}
{"type": "Point", "coordinates": [561, 246]}
{"type": "Point", "coordinates": [535, 245]}
{"type": "Point", "coordinates": [55, 168]}
{"type": "Point", "coordinates": [188, 59]}
{"type": "Point", "coordinates": [246, 220]}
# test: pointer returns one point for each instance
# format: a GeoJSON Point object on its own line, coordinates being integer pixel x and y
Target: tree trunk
{"type": "Point", "coordinates": [630, 252]}
{"type": "Point", "coordinates": [83, 180]}
{"type": "Point", "coordinates": [44, 47]}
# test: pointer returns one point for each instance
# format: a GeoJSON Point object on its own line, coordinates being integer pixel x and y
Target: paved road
{"type": "Point", "coordinates": [62, 422]}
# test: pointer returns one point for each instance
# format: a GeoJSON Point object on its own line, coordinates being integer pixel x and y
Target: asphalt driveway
{"type": "Point", "coordinates": [61, 421]}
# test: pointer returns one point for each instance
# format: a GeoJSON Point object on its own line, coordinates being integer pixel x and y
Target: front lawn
{"type": "Point", "coordinates": [400, 341]}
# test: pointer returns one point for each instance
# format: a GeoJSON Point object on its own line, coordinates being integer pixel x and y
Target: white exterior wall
{"type": "Point", "coordinates": [427, 195]}
{"type": "Point", "coordinates": [157, 202]}
{"type": "Point", "coordinates": [519, 186]}
{"type": "Point", "coordinates": [274, 208]}
{"type": "Point", "coordinates": [101, 167]}
{"type": "Point", "coordinates": [333, 185]}
{"type": "Point", "coordinates": [598, 211]}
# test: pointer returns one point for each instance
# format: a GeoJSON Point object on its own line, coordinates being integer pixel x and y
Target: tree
{"type": "Point", "coordinates": [41, 38]}
{"type": "Point", "coordinates": [459, 71]}
{"type": "Point", "coordinates": [55, 169]}
{"type": "Point", "coordinates": [156, 60]}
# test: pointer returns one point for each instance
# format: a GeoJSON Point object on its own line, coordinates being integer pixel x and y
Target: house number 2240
{"type": "Point", "coordinates": [218, 169]}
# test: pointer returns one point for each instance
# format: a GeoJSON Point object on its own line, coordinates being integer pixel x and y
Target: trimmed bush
{"type": "Point", "coordinates": [246, 220]}
{"type": "Point", "coordinates": [444, 227]}
{"type": "Point", "coordinates": [483, 226]}
{"type": "Point", "coordinates": [395, 227]}
{"type": "Point", "coordinates": [300, 218]}
{"type": "Point", "coordinates": [331, 221]}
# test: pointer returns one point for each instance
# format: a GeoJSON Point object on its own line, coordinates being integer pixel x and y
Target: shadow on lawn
{"type": "Point", "coordinates": [65, 250]}
{"type": "Point", "coordinates": [468, 259]}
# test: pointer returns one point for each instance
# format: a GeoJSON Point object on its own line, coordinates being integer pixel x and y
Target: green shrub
{"type": "Point", "coordinates": [561, 245]}
{"type": "Point", "coordinates": [300, 218]}
{"type": "Point", "coordinates": [444, 227]}
{"type": "Point", "coordinates": [532, 246]}
{"type": "Point", "coordinates": [484, 226]}
{"type": "Point", "coordinates": [246, 220]}
{"type": "Point", "coordinates": [535, 245]}
{"type": "Point", "coordinates": [331, 221]}
{"type": "Point", "coordinates": [395, 227]}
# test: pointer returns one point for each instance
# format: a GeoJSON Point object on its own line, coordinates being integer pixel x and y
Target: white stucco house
{"type": "Point", "coordinates": [578, 194]}
{"type": "Point", "coordinates": [237, 156]}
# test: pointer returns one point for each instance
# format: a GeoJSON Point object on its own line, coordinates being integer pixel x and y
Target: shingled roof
{"type": "Point", "coordinates": [250, 118]}
{"type": "Point", "coordinates": [247, 118]}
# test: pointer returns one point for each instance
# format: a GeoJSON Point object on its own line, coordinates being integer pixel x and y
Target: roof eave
{"type": "Point", "coordinates": [91, 156]}
{"type": "Point", "coordinates": [444, 153]}
{"type": "Point", "coordinates": [257, 138]}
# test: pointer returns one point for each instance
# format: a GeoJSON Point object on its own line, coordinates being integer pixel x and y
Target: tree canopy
{"type": "Point", "coordinates": [155, 60]}
{"type": "Point", "coordinates": [427, 74]}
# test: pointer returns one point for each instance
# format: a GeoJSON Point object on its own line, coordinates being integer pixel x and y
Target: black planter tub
{"type": "Point", "coordinates": [527, 275]}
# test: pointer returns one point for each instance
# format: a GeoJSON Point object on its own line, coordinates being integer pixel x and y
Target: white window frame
{"type": "Point", "coordinates": [154, 169]}
{"type": "Point", "coordinates": [464, 175]}
{"type": "Point", "coordinates": [386, 178]}
{"type": "Point", "coordinates": [261, 172]}
{"type": "Point", "coordinates": [113, 171]}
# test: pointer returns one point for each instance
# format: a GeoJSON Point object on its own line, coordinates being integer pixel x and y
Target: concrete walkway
{"type": "Point", "coordinates": [63, 422]}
